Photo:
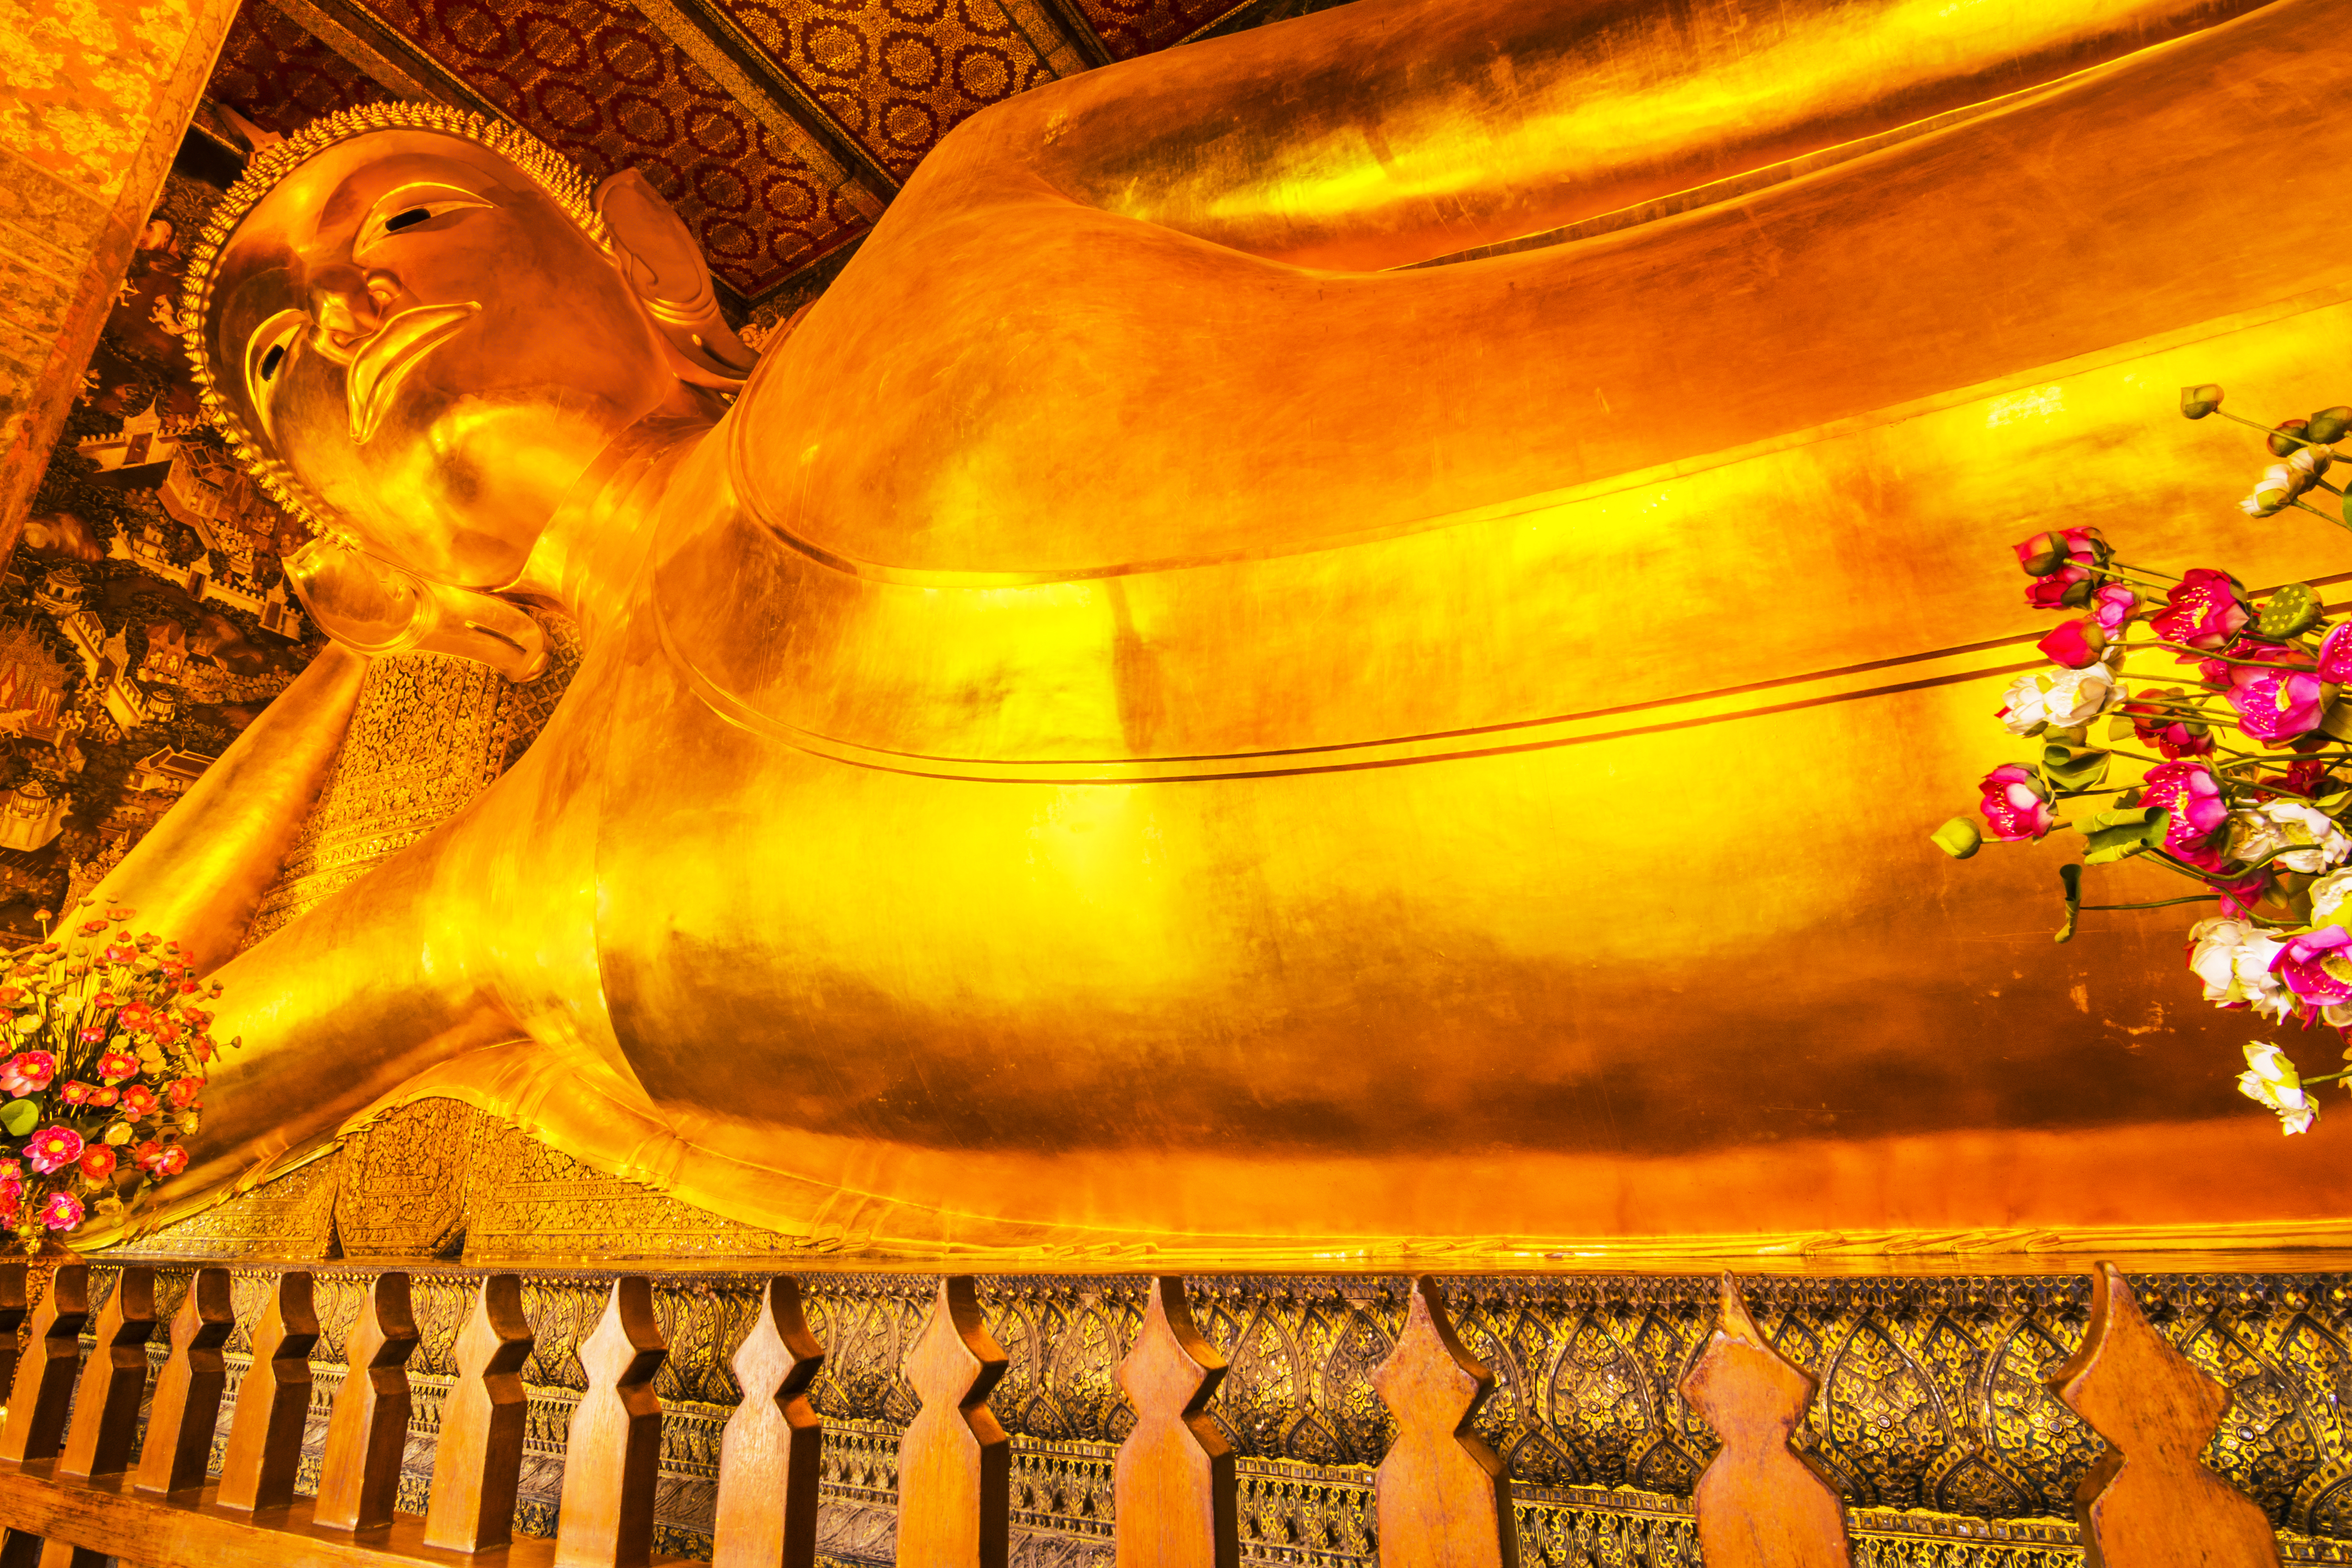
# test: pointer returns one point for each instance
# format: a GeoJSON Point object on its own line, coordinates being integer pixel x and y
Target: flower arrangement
{"type": "Point", "coordinates": [2240, 723]}
{"type": "Point", "coordinates": [107, 1073]}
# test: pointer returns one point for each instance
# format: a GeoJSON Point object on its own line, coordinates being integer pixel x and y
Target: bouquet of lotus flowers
{"type": "Point", "coordinates": [107, 1073]}
{"type": "Point", "coordinates": [2238, 724]}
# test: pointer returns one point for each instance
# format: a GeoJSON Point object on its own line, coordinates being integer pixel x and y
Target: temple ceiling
{"type": "Point", "coordinates": [780, 129]}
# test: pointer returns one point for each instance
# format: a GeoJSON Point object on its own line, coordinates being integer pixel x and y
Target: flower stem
{"type": "Point", "coordinates": [2160, 903]}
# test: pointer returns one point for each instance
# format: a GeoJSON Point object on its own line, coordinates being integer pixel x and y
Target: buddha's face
{"type": "Point", "coordinates": [433, 346]}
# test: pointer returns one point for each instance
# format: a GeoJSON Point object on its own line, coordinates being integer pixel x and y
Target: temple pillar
{"type": "Point", "coordinates": [94, 97]}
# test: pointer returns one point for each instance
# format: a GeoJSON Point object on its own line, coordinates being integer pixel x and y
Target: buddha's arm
{"type": "Point", "coordinates": [199, 875]}
{"type": "Point", "coordinates": [1388, 131]}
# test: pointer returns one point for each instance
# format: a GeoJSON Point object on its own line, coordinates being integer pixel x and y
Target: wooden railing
{"type": "Point", "coordinates": [72, 1491]}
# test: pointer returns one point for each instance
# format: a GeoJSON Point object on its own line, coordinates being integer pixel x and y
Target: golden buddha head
{"type": "Point", "coordinates": [418, 329]}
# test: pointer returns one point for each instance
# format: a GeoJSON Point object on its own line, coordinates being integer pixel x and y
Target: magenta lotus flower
{"type": "Point", "coordinates": [2015, 804]}
{"type": "Point", "coordinates": [2276, 704]}
{"type": "Point", "coordinates": [2315, 966]}
{"type": "Point", "coordinates": [2336, 655]}
{"type": "Point", "coordinates": [27, 1072]}
{"type": "Point", "coordinates": [52, 1149]}
{"type": "Point", "coordinates": [2077, 645]}
{"type": "Point", "coordinates": [61, 1211]}
{"type": "Point", "coordinates": [2190, 792]}
{"type": "Point", "coordinates": [2113, 606]}
{"type": "Point", "coordinates": [2060, 564]}
{"type": "Point", "coordinates": [2204, 610]}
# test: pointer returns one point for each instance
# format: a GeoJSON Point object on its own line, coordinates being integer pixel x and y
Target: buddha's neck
{"type": "Point", "coordinates": [591, 552]}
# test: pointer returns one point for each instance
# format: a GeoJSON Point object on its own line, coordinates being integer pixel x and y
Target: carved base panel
{"type": "Point", "coordinates": [1933, 1419]}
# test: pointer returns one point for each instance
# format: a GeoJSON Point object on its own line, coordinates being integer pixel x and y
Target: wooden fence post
{"type": "Point", "coordinates": [955, 1470]}
{"type": "Point", "coordinates": [1759, 1503]}
{"type": "Point", "coordinates": [2150, 1501]}
{"type": "Point", "coordinates": [766, 1514]}
{"type": "Point", "coordinates": [478, 1463]}
{"type": "Point", "coordinates": [38, 1401]}
{"type": "Point", "coordinates": [1173, 1489]}
{"type": "Point", "coordinates": [106, 1410]}
{"type": "Point", "coordinates": [359, 1475]}
{"type": "Point", "coordinates": [1443, 1495]}
{"type": "Point", "coordinates": [186, 1407]}
{"type": "Point", "coordinates": [612, 1459]}
{"type": "Point", "coordinates": [265, 1435]}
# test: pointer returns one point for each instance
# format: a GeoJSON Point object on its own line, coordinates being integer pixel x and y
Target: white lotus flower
{"type": "Point", "coordinates": [2329, 897]}
{"type": "Point", "coordinates": [2060, 698]}
{"type": "Point", "coordinates": [2269, 1080]}
{"type": "Point", "coordinates": [2302, 836]}
{"type": "Point", "coordinates": [2233, 959]}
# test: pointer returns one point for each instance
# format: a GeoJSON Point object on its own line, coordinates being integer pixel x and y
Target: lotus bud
{"type": "Point", "coordinates": [2287, 436]}
{"type": "Point", "coordinates": [2196, 402]}
{"type": "Point", "coordinates": [2330, 425]}
{"type": "Point", "coordinates": [2043, 554]}
{"type": "Point", "coordinates": [1959, 838]}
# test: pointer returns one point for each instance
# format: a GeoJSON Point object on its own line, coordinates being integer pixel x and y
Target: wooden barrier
{"type": "Point", "coordinates": [955, 1463]}
{"type": "Point", "coordinates": [1174, 1498]}
{"type": "Point", "coordinates": [766, 1511]}
{"type": "Point", "coordinates": [1444, 1500]}
{"type": "Point", "coordinates": [1760, 1504]}
{"type": "Point", "coordinates": [2150, 1501]}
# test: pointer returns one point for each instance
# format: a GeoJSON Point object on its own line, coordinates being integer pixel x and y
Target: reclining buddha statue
{"type": "Point", "coordinates": [1334, 640]}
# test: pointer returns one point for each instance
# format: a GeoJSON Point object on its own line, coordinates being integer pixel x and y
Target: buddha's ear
{"type": "Point", "coordinates": [664, 265]}
{"type": "Point", "coordinates": [373, 606]}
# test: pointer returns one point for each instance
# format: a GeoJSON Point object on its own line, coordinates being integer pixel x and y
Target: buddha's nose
{"type": "Point", "coordinates": [350, 304]}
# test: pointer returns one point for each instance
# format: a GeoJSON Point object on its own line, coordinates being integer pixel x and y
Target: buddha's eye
{"type": "Point", "coordinates": [412, 207]}
{"type": "Point", "coordinates": [266, 353]}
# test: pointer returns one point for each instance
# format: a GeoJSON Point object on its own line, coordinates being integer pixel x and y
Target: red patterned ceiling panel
{"type": "Point", "coordinates": [1132, 28]}
{"type": "Point", "coordinates": [280, 78]}
{"type": "Point", "coordinates": [600, 84]}
{"type": "Point", "coordinates": [895, 73]}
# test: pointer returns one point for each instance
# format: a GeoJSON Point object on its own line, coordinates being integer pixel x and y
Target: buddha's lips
{"type": "Point", "coordinates": [383, 361]}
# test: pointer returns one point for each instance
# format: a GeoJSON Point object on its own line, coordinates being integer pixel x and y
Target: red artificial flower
{"type": "Point", "coordinates": [92, 1035]}
{"type": "Point", "coordinates": [183, 1091]}
{"type": "Point", "coordinates": [103, 999]}
{"type": "Point", "coordinates": [2204, 610]}
{"type": "Point", "coordinates": [53, 1149]}
{"type": "Point", "coordinates": [116, 1065]}
{"type": "Point", "coordinates": [171, 1161]}
{"type": "Point", "coordinates": [2015, 804]}
{"type": "Point", "coordinates": [91, 928]}
{"type": "Point", "coordinates": [136, 1015]}
{"type": "Point", "coordinates": [147, 1154]}
{"type": "Point", "coordinates": [73, 1091]}
{"type": "Point", "coordinates": [2077, 645]}
{"type": "Point", "coordinates": [138, 1100]}
{"type": "Point", "coordinates": [102, 1097]}
{"type": "Point", "coordinates": [97, 1161]}
{"type": "Point", "coordinates": [61, 1211]}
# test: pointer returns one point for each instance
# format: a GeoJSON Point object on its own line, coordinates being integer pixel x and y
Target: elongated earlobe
{"type": "Point", "coordinates": [663, 263]}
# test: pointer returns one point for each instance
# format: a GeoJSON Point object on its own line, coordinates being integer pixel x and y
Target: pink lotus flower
{"type": "Point", "coordinates": [76, 1093]}
{"type": "Point", "coordinates": [2239, 897]}
{"type": "Point", "coordinates": [2204, 610]}
{"type": "Point", "coordinates": [2113, 608]}
{"type": "Point", "coordinates": [2077, 645]}
{"type": "Point", "coordinates": [2336, 655]}
{"type": "Point", "coordinates": [2276, 705]}
{"type": "Point", "coordinates": [2190, 792]}
{"type": "Point", "coordinates": [61, 1211]}
{"type": "Point", "coordinates": [27, 1072]}
{"type": "Point", "coordinates": [2015, 804]}
{"type": "Point", "coordinates": [2315, 966]}
{"type": "Point", "coordinates": [52, 1149]}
